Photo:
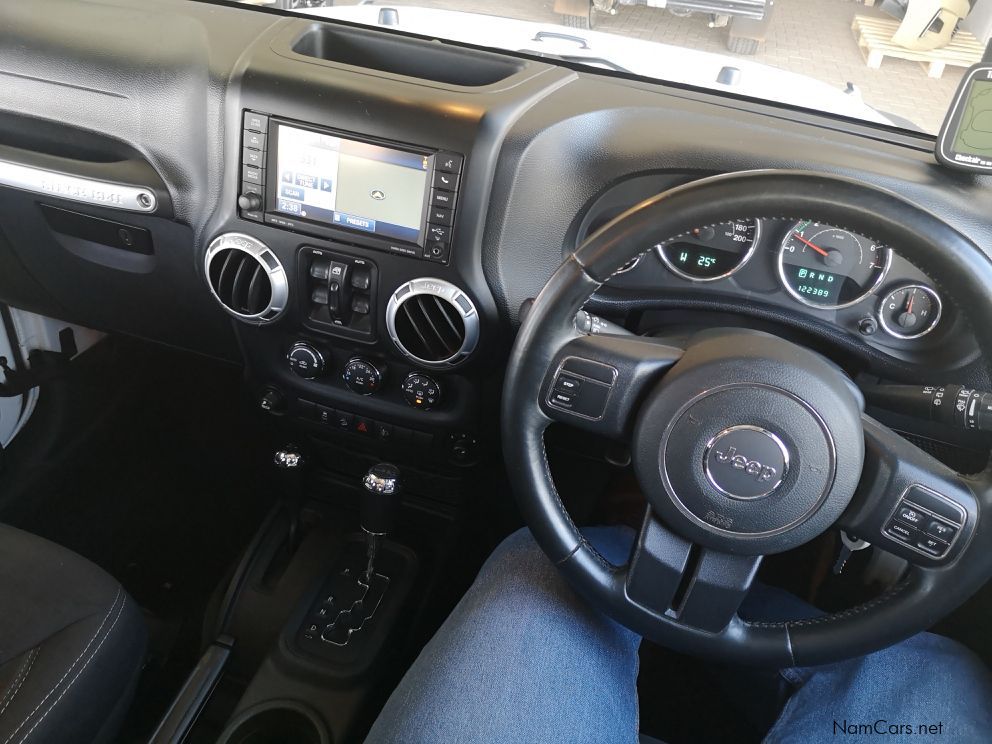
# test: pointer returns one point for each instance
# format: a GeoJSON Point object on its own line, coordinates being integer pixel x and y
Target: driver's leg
{"type": "Point", "coordinates": [521, 659]}
{"type": "Point", "coordinates": [927, 687]}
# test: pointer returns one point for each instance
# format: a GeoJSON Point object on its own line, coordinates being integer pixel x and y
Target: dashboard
{"type": "Point", "coordinates": [357, 216]}
{"type": "Point", "coordinates": [809, 269]}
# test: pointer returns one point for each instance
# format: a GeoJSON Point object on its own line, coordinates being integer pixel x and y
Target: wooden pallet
{"type": "Point", "coordinates": [874, 37]}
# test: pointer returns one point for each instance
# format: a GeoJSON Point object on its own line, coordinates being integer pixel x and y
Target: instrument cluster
{"type": "Point", "coordinates": [805, 264]}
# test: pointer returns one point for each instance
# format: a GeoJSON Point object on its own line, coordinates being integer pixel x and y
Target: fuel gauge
{"type": "Point", "coordinates": [910, 311]}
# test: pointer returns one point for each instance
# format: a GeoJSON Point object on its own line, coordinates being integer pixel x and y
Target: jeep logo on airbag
{"type": "Point", "coordinates": [746, 462]}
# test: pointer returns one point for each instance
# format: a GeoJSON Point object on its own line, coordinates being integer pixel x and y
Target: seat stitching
{"type": "Point", "coordinates": [71, 667]}
{"type": "Point", "coordinates": [19, 680]}
{"type": "Point", "coordinates": [81, 670]}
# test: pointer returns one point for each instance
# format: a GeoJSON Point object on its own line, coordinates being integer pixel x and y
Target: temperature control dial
{"type": "Point", "coordinates": [420, 391]}
{"type": "Point", "coordinates": [306, 361]}
{"type": "Point", "coordinates": [361, 376]}
{"type": "Point", "coordinates": [910, 311]}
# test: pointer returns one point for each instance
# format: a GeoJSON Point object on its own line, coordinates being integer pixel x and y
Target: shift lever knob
{"type": "Point", "coordinates": [382, 490]}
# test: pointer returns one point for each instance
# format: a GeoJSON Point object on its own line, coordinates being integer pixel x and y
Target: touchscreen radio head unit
{"type": "Point", "coordinates": [320, 181]}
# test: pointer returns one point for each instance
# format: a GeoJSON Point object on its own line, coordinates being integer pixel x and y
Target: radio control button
{"type": "Point", "coordinates": [255, 140]}
{"type": "Point", "coordinates": [446, 181]}
{"type": "Point", "coordinates": [251, 174]}
{"type": "Point", "coordinates": [440, 216]}
{"type": "Point", "coordinates": [253, 157]}
{"type": "Point", "coordinates": [250, 202]}
{"type": "Point", "coordinates": [444, 199]}
{"type": "Point", "coordinates": [449, 162]}
{"type": "Point", "coordinates": [438, 233]}
{"type": "Point", "coordinates": [256, 122]}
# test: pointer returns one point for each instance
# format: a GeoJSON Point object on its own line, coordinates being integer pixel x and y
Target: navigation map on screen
{"type": "Point", "coordinates": [351, 184]}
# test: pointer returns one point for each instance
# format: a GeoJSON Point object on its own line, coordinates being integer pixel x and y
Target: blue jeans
{"type": "Point", "coordinates": [523, 660]}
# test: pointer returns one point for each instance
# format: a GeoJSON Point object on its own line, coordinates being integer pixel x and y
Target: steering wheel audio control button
{"type": "Point", "coordinates": [568, 383]}
{"type": "Point", "coordinates": [582, 387]}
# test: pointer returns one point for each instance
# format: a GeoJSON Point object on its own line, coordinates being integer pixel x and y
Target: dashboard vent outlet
{"type": "Point", "coordinates": [246, 278]}
{"type": "Point", "coordinates": [433, 323]}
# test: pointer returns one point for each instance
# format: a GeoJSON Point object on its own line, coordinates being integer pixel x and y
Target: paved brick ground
{"type": "Point", "coordinates": [812, 37]}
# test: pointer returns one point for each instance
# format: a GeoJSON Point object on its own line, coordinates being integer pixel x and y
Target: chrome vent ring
{"type": "Point", "coordinates": [433, 323]}
{"type": "Point", "coordinates": [246, 278]}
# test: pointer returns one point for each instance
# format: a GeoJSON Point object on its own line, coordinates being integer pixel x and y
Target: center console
{"type": "Point", "coordinates": [344, 270]}
{"type": "Point", "coordinates": [347, 248]}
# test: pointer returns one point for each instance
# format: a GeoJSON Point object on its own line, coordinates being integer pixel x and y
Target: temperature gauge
{"type": "Point", "coordinates": [910, 311]}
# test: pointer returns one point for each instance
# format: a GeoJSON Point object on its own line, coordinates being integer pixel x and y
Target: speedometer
{"type": "Point", "coordinates": [826, 267]}
{"type": "Point", "coordinates": [706, 254]}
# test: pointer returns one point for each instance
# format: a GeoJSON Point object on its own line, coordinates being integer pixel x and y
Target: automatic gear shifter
{"type": "Point", "coordinates": [357, 606]}
{"type": "Point", "coordinates": [382, 490]}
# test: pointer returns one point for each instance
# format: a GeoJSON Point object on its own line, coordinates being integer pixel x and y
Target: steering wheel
{"type": "Point", "coordinates": [746, 444]}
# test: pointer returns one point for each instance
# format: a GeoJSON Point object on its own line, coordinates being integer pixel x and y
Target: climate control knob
{"type": "Point", "coordinates": [361, 376]}
{"type": "Point", "coordinates": [306, 361]}
{"type": "Point", "coordinates": [420, 391]}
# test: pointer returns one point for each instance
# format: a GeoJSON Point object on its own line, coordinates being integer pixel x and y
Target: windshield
{"type": "Point", "coordinates": [892, 64]}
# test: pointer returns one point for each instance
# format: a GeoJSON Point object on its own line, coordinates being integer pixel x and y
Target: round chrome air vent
{"type": "Point", "coordinates": [433, 322]}
{"type": "Point", "coordinates": [246, 278]}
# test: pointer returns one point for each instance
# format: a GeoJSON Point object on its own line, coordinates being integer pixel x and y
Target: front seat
{"type": "Point", "coordinates": [72, 643]}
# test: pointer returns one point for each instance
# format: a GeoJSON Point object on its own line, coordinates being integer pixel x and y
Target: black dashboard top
{"type": "Point", "coordinates": [549, 151]}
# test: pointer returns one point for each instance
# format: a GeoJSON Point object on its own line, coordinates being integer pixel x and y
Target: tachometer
{"type": "Point", "coordinates": [706, 254]}
{"type": "Point", "coordinates": [826, 267]}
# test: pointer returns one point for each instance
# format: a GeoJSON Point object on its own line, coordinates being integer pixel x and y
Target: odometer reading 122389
{"type": "Point", "coordinates": [826, 267]}
{"type": "Point", "coordinates": [705, 254]}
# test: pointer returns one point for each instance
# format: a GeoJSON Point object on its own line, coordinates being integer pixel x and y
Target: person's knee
{"type": "Point", "coordinates": [518, 551]}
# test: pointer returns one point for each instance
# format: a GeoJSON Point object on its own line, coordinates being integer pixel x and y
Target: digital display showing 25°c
{"type": "Point", "coordinates": [706, 254]}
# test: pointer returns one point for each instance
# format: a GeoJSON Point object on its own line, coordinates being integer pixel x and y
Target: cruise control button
{"type": "Point", "coordinates": [931, 545]}
{"type": "Point", "coordinates": [901, 532]}
{"type": "Point", "coordinates": [911, 516]}
{"type": "Point", "coordinates": [944, 531]}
